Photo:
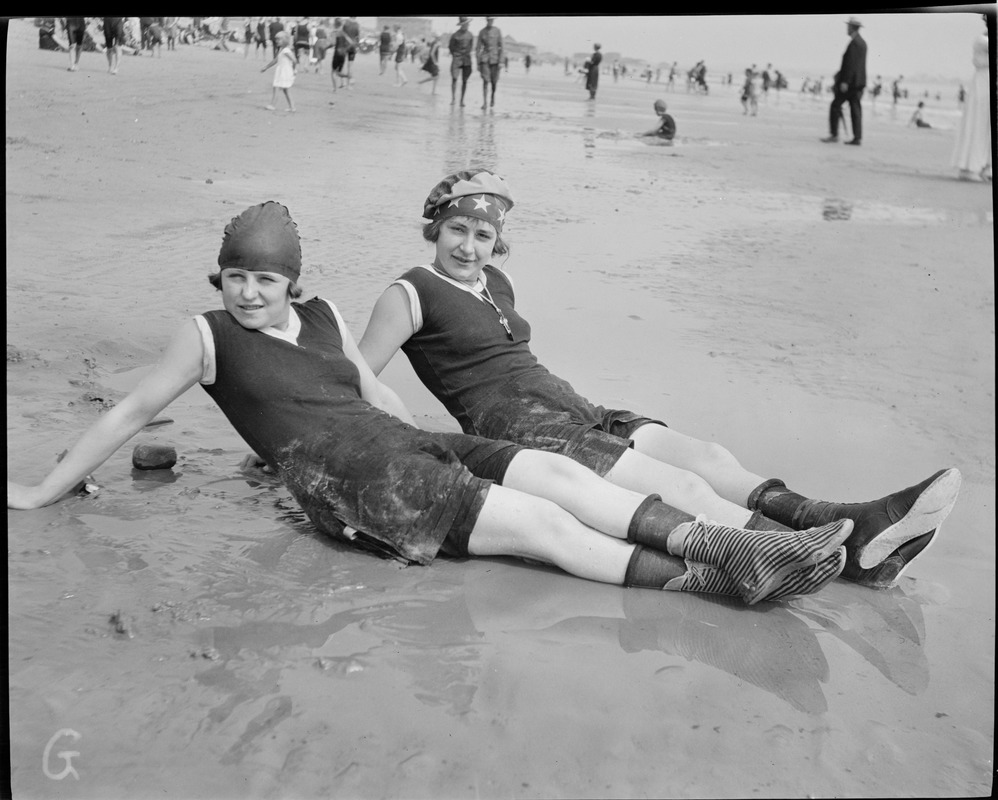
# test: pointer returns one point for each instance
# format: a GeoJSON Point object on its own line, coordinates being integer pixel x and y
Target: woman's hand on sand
{"type": "Point", "coordinates": [253, 461]}
{"type": "Point", "coordinates": [23, 497]}
{"type": "Point", "coordinates": [26, 498]}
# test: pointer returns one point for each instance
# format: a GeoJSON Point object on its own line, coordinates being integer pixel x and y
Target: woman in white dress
{"type": "Point", "coordinates": [972, 154]}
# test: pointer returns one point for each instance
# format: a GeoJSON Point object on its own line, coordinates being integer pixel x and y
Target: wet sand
{"type": "Point", "coordinates": [826, 312]}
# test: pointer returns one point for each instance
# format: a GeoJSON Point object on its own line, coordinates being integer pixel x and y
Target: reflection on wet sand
{"type": "Point", "coordinates": [435, 639]}
{"type": "Point", "coordinates": [469, 143]}
{"type": "Point", "coordinates": [885, 627]}
{"type": "Point", "coordinates": [455, 143]}
{"type": "Point", "coordinates": [486, 152]}
{"type": "Point", "coordinates": [767, 647]}
{"type": "Point", "coordinates": [770, 646]}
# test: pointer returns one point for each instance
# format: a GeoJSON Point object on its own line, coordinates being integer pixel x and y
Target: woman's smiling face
{"type": "Point", "coordinates": [256, 299]}
{"type": "Point", "coordinates": [464, 246]}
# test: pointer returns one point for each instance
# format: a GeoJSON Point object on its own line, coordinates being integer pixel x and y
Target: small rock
{"type": "Point", "coordinates": [120, 625]}
{"type": "Point", "coordinates": [153, 456]}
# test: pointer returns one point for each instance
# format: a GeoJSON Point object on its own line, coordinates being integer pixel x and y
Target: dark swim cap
{"type": "Point", "coordinates": [263, 238]}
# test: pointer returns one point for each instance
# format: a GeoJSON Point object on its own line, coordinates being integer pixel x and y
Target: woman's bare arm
{"type": "Point", "coordinates": [388, 328]}
{"type": "Point", "coordinates": [178, 370]}
{"type": "Point", "coordinates": [371, 389]}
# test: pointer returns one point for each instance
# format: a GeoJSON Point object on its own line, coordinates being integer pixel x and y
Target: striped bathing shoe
{"type": "Point", "coordinates": [758, 562]}
{"type": "Point", "coordinates": [811, 579]}
{"type": "Point", "coordinates": [808, 580]}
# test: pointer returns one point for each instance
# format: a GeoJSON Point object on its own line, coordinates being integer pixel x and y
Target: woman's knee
{"type": "Point", "coordinates": [528, 467]}
{"type": "Point", "coordinates": [695, 453]}
{"type": "Point", "coordinates": [639, 470]}
{"type": "Point", "coordinates": [713, 454]}
{"type": "Point", "coordinates": [552, 539]}
{"type": "Point", "coordinates": [513, 523]}
{"type": "Point", "coordinates": [691, 485]}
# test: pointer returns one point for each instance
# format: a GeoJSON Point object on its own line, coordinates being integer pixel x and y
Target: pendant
{"type": "Point", "coordinates": [505, 324]}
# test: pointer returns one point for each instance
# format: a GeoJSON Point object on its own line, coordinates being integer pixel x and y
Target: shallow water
{"type": "Point", "coordinates": [201, 640]}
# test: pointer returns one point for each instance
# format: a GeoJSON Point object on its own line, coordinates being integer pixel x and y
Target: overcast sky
{"type": "Point", "coordinates": [926, 42]}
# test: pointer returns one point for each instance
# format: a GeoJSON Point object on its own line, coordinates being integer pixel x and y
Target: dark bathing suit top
{"type": "Point", "coordinates": [348, 464]}
{"type": "Point", "coordinates": [491, 383]}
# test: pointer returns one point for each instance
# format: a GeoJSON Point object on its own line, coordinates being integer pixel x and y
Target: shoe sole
{"type": "Point", "coordinates": [772, 585]}
{"type": "Point", "coordinates": [928, 511]}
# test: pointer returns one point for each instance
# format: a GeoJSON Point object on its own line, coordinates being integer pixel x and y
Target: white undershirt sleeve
{"type": "Point", "coordinates": [415, 308]}
{"type": "Point", "coordinates": [208, 360]}
{"type": "Point", "coordinates": [336, 315]}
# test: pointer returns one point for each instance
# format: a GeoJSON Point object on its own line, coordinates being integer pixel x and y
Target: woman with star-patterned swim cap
{"type": "Point", "coordinates": [456, 321]}
{"type": "Point", "coordinates": [290, 379]}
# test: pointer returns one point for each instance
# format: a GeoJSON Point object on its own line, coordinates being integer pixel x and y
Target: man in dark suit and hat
{"type": "Point", "coordinates": [850, 81]}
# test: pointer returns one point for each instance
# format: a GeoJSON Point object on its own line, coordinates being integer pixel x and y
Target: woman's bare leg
{"type": "Point", "coordinates": [598, 503]}
{"type": "Point", "coordinates": [711, 461]}
{"type": "Point", "coordinates": [512, 523]}
{"type": "Point", "coordinates": [678, 487]}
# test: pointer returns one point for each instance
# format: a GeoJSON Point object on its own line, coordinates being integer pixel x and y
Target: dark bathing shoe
{"type": "Point", "coordinates": [853, 141]}
{"type": "Point", "coordinates": [886, 574]}
{"type": "Point", "coordinates": [902, 517]}
{"type": "Point", "coordinates": [883, 525]}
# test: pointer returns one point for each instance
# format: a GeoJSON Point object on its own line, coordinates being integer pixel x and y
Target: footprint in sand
{"type": "Point", "coordinates": [277, 710]}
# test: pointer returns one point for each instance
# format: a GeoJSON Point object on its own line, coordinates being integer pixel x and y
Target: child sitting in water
{"type": "Point", "coordinates": [666, 129]}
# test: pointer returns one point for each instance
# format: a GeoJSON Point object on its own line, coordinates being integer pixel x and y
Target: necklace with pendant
{"type": "Point", "coordinates": [502, 317]}
{"type": "Point", "coordinates": [484, 295]}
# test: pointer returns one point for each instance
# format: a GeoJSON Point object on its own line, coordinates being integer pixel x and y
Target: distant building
{"type": "Point", "coordinates": [608, 58]}
{"type": "Point", "coordinates": [513, 48]}
{"type": "Point", "coordinates": [412, 27]}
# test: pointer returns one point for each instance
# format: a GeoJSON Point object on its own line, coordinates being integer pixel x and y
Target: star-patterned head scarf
{"type": "Point", "coordinates": [470, 193]}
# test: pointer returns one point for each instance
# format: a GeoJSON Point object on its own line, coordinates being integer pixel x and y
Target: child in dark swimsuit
{"type": "Point", "coordinates": [666, 129]}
